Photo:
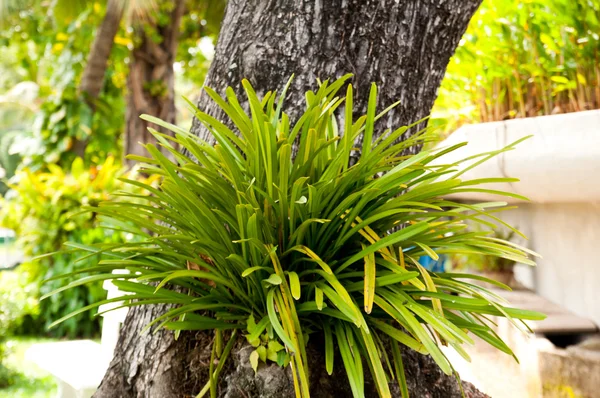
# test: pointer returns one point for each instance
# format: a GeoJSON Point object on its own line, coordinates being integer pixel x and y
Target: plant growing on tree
{"type": "Point", "coordinates": [277, 247]}
{"type": "Point", "coordinates": [483, 262]}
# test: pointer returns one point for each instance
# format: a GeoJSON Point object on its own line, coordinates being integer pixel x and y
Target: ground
{"type": "Point", "coordinates": [489, 371]}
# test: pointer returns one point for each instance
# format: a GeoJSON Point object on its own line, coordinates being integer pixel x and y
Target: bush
{"type": "Point", "coordinates": [17, 113]}
{"type": "Point", "coordinates": [18, 299]}
{"type": "Point", "coordinates": [286, 247]}
{"type": "Point", "coordinates": [43, 209]}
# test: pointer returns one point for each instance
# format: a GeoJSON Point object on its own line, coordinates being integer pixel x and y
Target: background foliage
{"type": "Point", "coordinates": [60, 147]}
{"type": "Point", "coordinates": [42, 210]}
{"type": "Point", "coordinates": [19, 299]}
{"type": "Point", "coordinates": [49, 43]}
{"type": "Point", "coordinates": [50, 50]}
{"type": "Point", "coordinates": [523, 58]}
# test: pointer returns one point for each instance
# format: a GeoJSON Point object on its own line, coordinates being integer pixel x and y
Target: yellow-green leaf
{"type": "Point", "coordinates": [262, 353]}
{"type": "Point", "coordinates": [319, 298]}
{"type": "Point", "coordinates": [294, 285]}
{"type": "Point", "coordinates": [254, 360]}
{"type": "Point", "coordinates": [274, 279]}
{"type": "Point", "coordinates": [370, 273]}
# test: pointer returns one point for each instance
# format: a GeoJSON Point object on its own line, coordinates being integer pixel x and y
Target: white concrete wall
{"type": "Point", "coordinates": [567, 235]}
{"type": "Point", "coordinates": [560, 162]}
{"type": "Point", "coordinates": [559, 168]}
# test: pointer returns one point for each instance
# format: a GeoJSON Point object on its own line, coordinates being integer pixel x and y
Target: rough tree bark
{"type": "Point", "coordinates": [404, 46]}
{"type": "Point", "coordinates": [151, 80]}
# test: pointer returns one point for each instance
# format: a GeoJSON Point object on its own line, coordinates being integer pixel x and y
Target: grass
{"type": "Point", "coordinates": [32, 382]}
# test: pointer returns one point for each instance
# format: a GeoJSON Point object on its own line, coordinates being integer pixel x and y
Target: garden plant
{"type": "Point", "coordinates": [521, 59]}
{"type": "Point", "coordinates": [41, 208]}
{"type": "Point", "coordinates": [498, 268]}
{"type": "Point", "coordinates": [286, 230]}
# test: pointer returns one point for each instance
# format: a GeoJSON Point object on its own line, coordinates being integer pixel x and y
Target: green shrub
{"type": "Point", "coordinates": [17, 113]}
{"type": "Point", "coordinates": [18, 299]}
{"type": "Point", "coordinates": [65, 120]}
{"type": "Point", "coordinates": [287, 247]}
{"type": "Point", "coordinates": [522, 59]}
{"type": "Point", "coordinates": [50, 49]}
{"type": "Point", "coordinates": [7, 376]}
{"type": "Point", "coordinates": [43, 209]}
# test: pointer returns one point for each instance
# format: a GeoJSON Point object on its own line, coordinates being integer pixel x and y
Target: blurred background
{"type": "Point", "coordinates": [69, 105]}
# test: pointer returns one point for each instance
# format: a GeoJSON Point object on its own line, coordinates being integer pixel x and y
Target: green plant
{"type": "Point", "coordinates": [27, 381]}
{"type": "Point", "coordinates": [522, 59]}
{"type": "Point", "coordinates": [48, 43]}
{"type": "Point", "coordinates": [286, 246]}
{"type": "Point", "coordinates": [66, 121]}
{"type": "Point", "coordinates": [485, 262]}
{"type": "Point", "coordinates": [18, 300]}
{"type": "Point", "coordinates": [17, 112]}
{"type": "Point", "coordinates": [43, 210]}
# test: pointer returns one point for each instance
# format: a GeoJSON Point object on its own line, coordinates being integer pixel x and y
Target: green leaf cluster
{"type": "Point", "coordinates": [49, 45]}
{"type": "Point", "coordinates": [250, 237]}
{"type": "Point", "coordinates": [521, 59]}
{"type": "Point", "coordinates": [482, 262]}
{"type": "Point", "coordinates": [266, 347]}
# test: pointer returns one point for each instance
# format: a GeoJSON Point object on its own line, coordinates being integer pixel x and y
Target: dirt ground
{"type": "Point", "coordinates": [492, 372]}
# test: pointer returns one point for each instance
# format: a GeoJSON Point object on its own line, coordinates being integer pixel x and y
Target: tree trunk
{"type": "Point", "coordinates": [95, 69]}
{"type": "Point", "coordinates": [151, 81]}
{"type": "Point", "coordinates": [402, 45]}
